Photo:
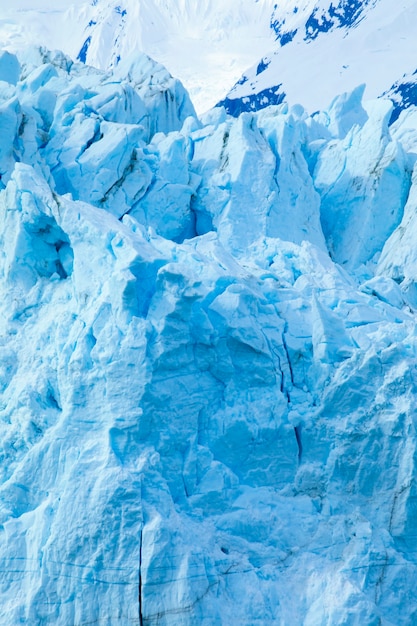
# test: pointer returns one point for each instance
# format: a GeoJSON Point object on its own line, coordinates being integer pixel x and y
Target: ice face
{"type": "Point", "coordinates": [9, 68]}
{"type": "Point", "coordinates": [207, 358]}
{"type": "Point", "coordinates": [363, 181]}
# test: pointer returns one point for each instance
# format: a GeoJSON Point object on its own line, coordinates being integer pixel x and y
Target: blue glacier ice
{"type": "Point", "coordinates": [208, 357]}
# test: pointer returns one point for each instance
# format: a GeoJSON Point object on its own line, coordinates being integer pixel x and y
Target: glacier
{"type": "Point", "coordinates": [209, 355]}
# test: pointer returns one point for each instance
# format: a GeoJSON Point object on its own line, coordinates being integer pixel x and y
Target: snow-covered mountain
{"type": "Point", "coordinates": [204, 43]}
{"type": "Point", "coordinates": [208, 362]}
{"type": "Point", "coordinates": [324, 48]}
{"type": "Point", "coordinates": [304, 51]}
{"type": "Point", "coordinates": [207, 44]}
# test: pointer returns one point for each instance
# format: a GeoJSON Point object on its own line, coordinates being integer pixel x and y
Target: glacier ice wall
{"type": "Point", "coordinates": [208, 356]}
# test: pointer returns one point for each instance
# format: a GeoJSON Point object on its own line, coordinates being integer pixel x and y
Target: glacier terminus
{"type": "Point", "coordinates": [208, 362]}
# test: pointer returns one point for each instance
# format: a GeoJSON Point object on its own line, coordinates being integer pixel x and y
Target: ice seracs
{"type": "Point", "coordinates": [208, 356]}
{"type": "Point", "coordinates": [363, 181]}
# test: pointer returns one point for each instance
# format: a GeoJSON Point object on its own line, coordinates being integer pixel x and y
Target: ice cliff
{"type": "Point", "coordinates": [208, 362]}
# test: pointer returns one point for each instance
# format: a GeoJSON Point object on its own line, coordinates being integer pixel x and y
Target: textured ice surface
{"type": "Point", "coordinates": [208, 357]}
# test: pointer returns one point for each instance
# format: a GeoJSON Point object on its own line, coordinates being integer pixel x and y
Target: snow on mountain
{"type": "Point", "coordinates": [206, 44]}
{"type": "Point", "coordinates": [39, 22]}
{"type": "Point", "coordinates": [323, 49]}
{"type": "Point", "coordinates": [208, 363]}
{"type": "Point", "coordinates": [304, 52]}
